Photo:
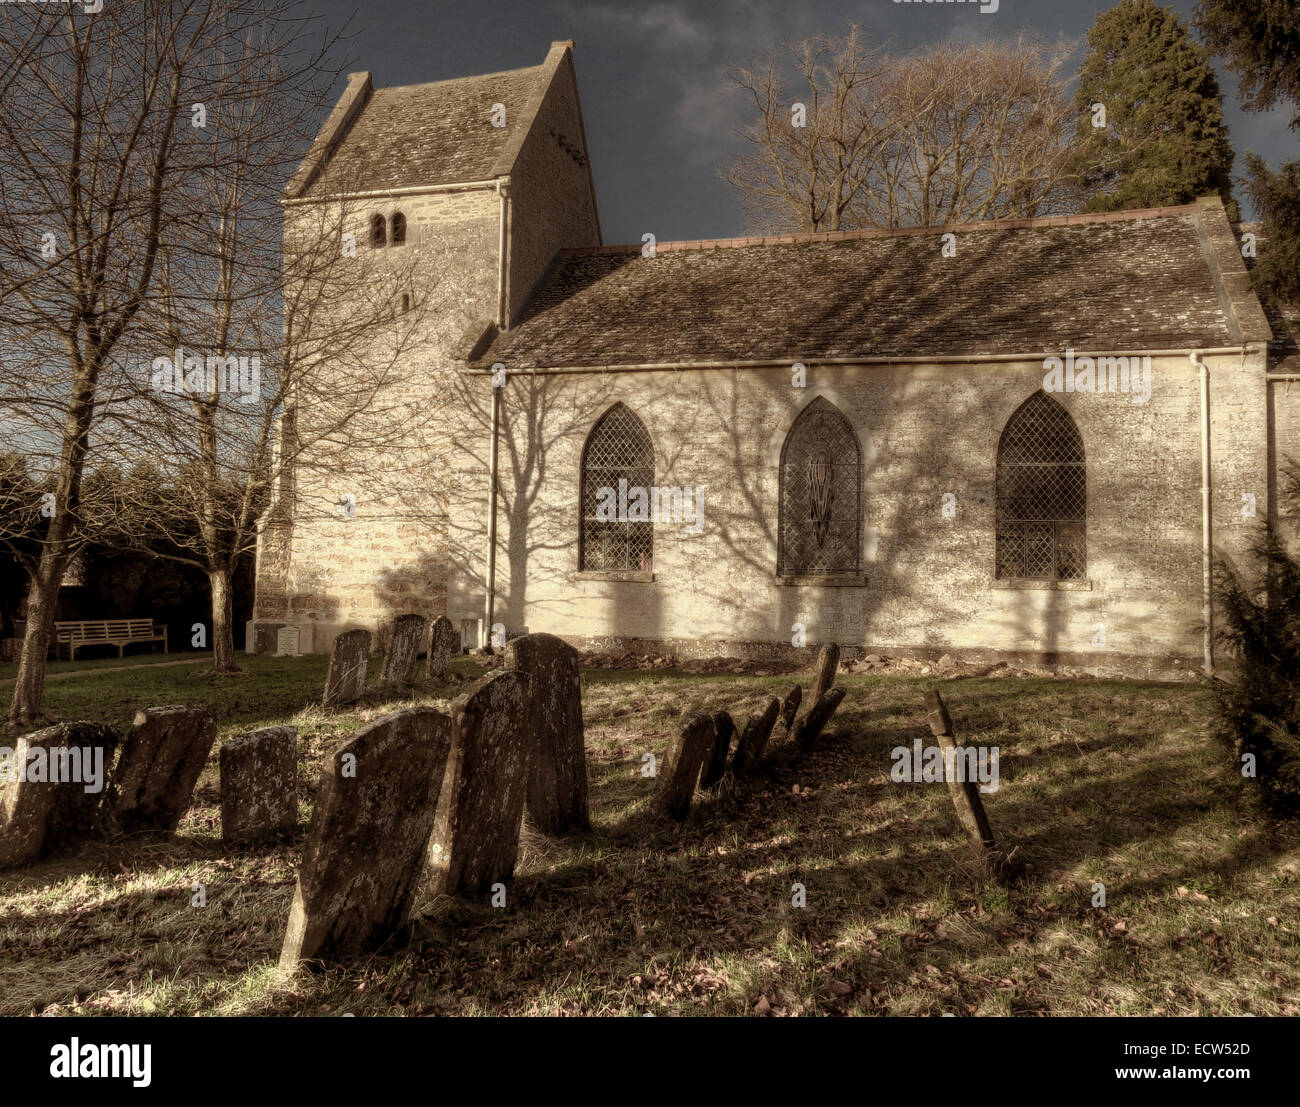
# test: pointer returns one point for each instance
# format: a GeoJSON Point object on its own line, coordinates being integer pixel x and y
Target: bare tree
{"type": "Point", "coordinates": [90, 145]}
{"type": "Point", "coordinates": [127, 219]}
{"type": "Point", "coordinates": [244, 328]}
{"type": "Point", "coordinates": [956, 133]}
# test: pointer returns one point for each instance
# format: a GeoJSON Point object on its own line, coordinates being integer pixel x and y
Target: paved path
{"type": "Point", "coordinates": [114, 669]}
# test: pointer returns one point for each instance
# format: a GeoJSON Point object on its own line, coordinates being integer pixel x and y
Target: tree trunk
{"type": "Point", "coordinates": [223, 637]}
{"type": "Point", "coordinates": [42, 604]}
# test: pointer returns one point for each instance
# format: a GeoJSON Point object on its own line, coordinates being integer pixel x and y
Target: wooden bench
{"type": "Point", "coordinates": [106, 632]}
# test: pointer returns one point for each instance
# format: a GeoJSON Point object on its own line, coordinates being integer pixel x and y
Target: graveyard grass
{"type": "Point", "coordinates": [1122, 783]}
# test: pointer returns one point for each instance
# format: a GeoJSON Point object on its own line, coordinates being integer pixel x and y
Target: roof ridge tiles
{"type": "Point", "coordinates": [894, 232]}
{"type": "Point", "coordinates": [454, 80]}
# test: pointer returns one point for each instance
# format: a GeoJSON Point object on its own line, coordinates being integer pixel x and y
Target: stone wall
{"type": "Point", "coordinates": [1285, 403]}
{"type": "Point", "coordinates": [328, 572]}
{"type": "Point", "coordinates": [929, 581]}
{"type": "Point", "coordinates": [551, 201]}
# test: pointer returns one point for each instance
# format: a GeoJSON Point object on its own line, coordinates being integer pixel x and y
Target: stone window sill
{"type": "Point", "coordinates": [1045, 585]}
{"type": "Point", "coordinates": [635, 576]}
{"type": "Point", "coordinates": [857, 580]}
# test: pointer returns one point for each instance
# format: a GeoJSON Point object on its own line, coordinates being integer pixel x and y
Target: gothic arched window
{"type": "Point", "coordinates": [618, 472]}
{"type": "Point", "coordinates": [398, 236]}
{"type": "Point", "coordinates": [378, 231]}
{"type": "Point", "coordinates": [820, 508]}
{"type": "Point", "coordinates": [1041, 494]}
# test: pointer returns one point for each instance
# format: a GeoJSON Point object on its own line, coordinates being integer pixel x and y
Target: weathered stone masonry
{"type": "Point", "coordinates": [927, 358]}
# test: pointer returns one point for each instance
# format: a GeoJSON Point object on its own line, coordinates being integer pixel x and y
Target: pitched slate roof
{"type": "Point", "coordinates": [1120, 281]}
{"type": "Point", "coordinates": [429, 134]}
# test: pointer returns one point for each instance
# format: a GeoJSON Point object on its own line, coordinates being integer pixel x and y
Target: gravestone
{"type": "Point", "coordinates": [828, 662]}
{"type": "Point", "coordinates": [716, 765]}
{"type": "Point", "coordinates": [753, 739]}
{"type": "Point", "coordinates": [51, 811]}
{"type": "Point", "coordinates": [259, 784]}
{"type": "Point", "coordinates": [475, 840]}
{"type": "Point", "coordinates": [686, 756]}
{"type": "Point", "coordinates": [557, 777]}
{"type": "Point", "coordinates": [374, 810]}
{"type": "Point", "coordinates": [965, 793]}
{"type": "Point", "coordinates": [443, 641]}
{"type": "Point", "coordinates": [346, 679]}
{"type": "Point", "coordinates": [160, 764]}
{"type": "Point", "coordinates": [399, 661]}
{"type": "Point", "coordinates": [812, 723]}
{"type": "Point", "coordinates": [785, 721]}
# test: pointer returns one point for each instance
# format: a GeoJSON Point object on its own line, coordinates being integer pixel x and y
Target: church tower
{"type": "Point", "coordinates": [462, 191]}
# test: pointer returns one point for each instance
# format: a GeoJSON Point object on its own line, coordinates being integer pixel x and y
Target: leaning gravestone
{"type": "Point", "coordinates": [828, 662]}
{"type": "Point", "coordinates": [811, 725]}
{"type": "Point", "coordinates": [160, 764]}
{"type": "Point", "coordinates": [399, 662]}
{"type": "Point", "coordinates": [965, 793]}
{"type": "Point", "coordinates": [686, 757]}
{"type": "Point", "coordinates": [374, 810]}
{"type": "Point", "coordinates": [716, 765]}
{"type": "Point", "coordinates": [557, 778]}
{"type": "Point", "coordinates": [443, 642]}
{"type": "Point", "coordinates": [475, 840]}
{"type": "Point", "coordinates": [753, 739]}
{"type": "Point", "coordinates": [346, 679]}
{"type": "Point", "coordinates": [785, 721]}
{"type": "Point", "coordinates": [50, 789]}
{"type": "Point", "coordinates": [259, 784]}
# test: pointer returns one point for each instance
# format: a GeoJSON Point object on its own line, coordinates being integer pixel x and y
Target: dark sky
{"type": "Point", "coordinates": [652, 77]}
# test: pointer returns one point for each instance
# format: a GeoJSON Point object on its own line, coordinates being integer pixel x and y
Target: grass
{"type": "Point", "coordinates": [1121, 783]}
{"type": "Point", "coordinates": [9, 669]}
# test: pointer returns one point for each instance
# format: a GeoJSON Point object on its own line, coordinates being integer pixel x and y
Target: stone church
{"type": "Point", "coordinates": [1017, 439]}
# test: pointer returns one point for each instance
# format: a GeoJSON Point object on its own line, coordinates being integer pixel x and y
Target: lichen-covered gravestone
{"type": "Point", "coordinates": [475, 840]}
{"type": "Point", "coordinates": [51, 786]}
{"type": "Point", "coordinates": [160, 764]}
{"type": "Point", "coordinates": [686, 757]}
{"type": "Point", "coordinates": [399, 662]}
{"type": "Point", "coordinates": [443, 641]}
{"type": "Point", "coordinates": [259, 784]}
{"type": "Point", "coordinates": [557, 779]}
{"type": "Point", "coordinates": [365, 847]}
{"type": "Point", "coordinates": [346, 679]}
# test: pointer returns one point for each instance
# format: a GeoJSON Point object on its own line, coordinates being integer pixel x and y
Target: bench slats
{"type": "Point", "coordinates": [111, 632]}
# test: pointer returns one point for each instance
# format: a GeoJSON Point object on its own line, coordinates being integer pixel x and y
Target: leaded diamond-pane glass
{"type": "Point", "coordinates": [820, 512]}
{"type": "Point", "coordinates": [618, 449]}
{"type": "Point", "coordinates": [1042, 494]}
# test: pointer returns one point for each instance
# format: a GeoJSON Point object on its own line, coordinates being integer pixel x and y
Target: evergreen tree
{"type": "Point", "coordinates": [1276, 197]}
{"type": "Point", "coordinates": [1260, 42]}
{"type": "Point", "coordinates": [1163, 141]}
{"type": "Point", "coordinates": [1260, 625]}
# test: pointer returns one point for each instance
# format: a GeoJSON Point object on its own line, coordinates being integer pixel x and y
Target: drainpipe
{"type": "Point", "coordinates": [503, 247]}
{"type": "Point", "coordinates": [1207, 541]}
